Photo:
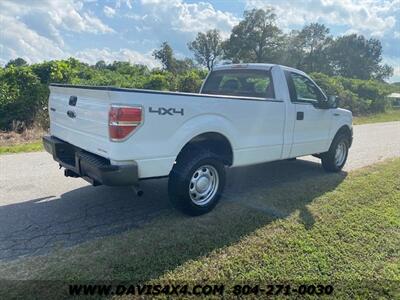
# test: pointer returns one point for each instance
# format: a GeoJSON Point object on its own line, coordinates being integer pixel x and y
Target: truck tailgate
{"type": "Point", "coordinates": [80, 116]}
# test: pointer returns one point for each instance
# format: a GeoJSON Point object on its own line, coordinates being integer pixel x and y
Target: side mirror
{"type": "Point", "coordinates": [333, 101]}
{"type": "Point", "coordinates": [330, 102]}
{"type": "Point", "coordinates": [322, 104]}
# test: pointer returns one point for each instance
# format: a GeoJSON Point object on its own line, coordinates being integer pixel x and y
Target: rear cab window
{"type": "Point", "coordinates": [240, 82]}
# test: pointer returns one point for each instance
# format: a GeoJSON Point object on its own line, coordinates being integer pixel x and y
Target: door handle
{"type": "Point", "coordinates": [336, 114]}
{"type": "Point", "coordinates": [300, 115]}
{"type": "Point", "coordinates": [72, 100]}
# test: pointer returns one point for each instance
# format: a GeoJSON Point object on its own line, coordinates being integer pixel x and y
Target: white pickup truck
{"type": "Point", "coordinates": [244, 114]}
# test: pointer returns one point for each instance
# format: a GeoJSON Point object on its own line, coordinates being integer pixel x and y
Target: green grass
{"type": "Point", "coordinates": [28, 147]}
{"type": "Point", "coordinates": [305, 227]}
{"type": "Point", "coordinates": [389, 116]}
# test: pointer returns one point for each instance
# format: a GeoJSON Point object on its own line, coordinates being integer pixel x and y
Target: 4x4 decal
{"type": "Point", "coordinates": [166, 111]}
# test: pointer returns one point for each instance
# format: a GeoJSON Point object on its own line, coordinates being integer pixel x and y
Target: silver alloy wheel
{"type": "Point", "coordinates": [340, 154]}
{"type": "Point", "coordinates": [203, 185]}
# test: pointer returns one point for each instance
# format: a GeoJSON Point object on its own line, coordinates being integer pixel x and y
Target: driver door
{"type": "Point", "coordinates": [312, 124]}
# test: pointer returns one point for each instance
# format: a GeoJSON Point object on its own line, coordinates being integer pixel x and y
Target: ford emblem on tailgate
{"type": "Point", "coordinates": [72, 100]}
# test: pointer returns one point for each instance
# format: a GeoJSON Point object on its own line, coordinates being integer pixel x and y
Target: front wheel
{"type": "Point", "coordinates": [335, 158]}
{"type": "Point", "coordinates": [196, 182]}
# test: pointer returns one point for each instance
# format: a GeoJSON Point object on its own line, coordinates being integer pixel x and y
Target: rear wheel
{"type": "Point", "coordinates": [196, 181]}
{"type": "Point", "coordinates": [335, 158]}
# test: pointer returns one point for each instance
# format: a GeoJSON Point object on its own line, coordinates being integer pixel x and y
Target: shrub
{"type": "Point", "coordinates": [190, 82]}
{"type": "Point", "coordinates": [22, 96]}
{"type": "Point", "coordinates": [359, 96]}
{"type": "Point", "coordinates": [24, 89]}
{"type": "Point", "coordinates": [156, 82]}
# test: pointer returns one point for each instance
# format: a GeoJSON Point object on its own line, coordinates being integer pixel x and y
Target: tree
{"type": "Point", "coordinates": [183, 65]}
{"type": "Point", "coordinates": [18, 62]}
{"type": "Point", "coordinates": [254, 39]}
{"type": "Point", "coordinates": [21, 97]}
{"type": "Point", "coordinates": [101, 65]}
{"type": "Point", "coordinates": [383, 72]}
{"type": "Point", "coordinates": [157, 82]}
{"type": "Point", "coordinates": [313, 41]}
{"type": "Point", "coordinates": [292, 54]}
{"type": "Point", "coordinates": [190, 82]}
{"type": "Point", "coordinates": [354, 56]}
{"type": "Point", "coordinates": [123, 67]}
{"type": "Point", "coordinates": [59, 71]}
{"type": "Point", "coordinates": [166, 56]}
{"type": "Point", "coordinates": [207, 48]}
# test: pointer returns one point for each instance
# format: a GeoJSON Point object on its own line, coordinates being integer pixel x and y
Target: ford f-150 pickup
{"type": "Point", "coordinates": [244, 114]}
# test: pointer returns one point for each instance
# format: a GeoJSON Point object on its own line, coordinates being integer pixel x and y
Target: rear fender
{"type": "Point", "coordinates": [203, 124]}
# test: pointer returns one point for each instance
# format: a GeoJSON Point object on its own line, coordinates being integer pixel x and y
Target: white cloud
{"type": "Point", "coordinates": [93, 55]}
{"type": "Point", "coordinates": [109, 11]}
{"type": "Point", "coordinates": [42, 29]}
{"type": "Point", "coordinates": [119, 3]}
{"type": "Point", "coordinates": [60, 14]}
{"type": "Point", "coordinates": [34, 29]}
{"type": "Point", "coordinates": [176, 15]}
{"type": "Point", "coordinates": [370, 17]}
{"type": "Point", "coordinates": [94, 25]}
{"type": "Point", "coordinates": [396, 70]}
{"type": "Point", "coordinates": [17, 40]}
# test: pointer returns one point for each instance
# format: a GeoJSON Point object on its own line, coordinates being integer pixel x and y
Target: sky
{"type": "Point", "coordinates": [129, 30]}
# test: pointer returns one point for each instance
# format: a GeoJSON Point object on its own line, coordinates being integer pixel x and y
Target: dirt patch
{"type": "Point", "coordinates": [9, 138]}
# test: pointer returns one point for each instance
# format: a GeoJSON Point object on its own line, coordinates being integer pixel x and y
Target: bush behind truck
{"type": "Point", "coordinates": [24, 89]}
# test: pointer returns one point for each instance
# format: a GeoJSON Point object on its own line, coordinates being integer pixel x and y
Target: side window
{"type": "Point", "coordinates": [304, 90]}
{"type": "Point", "coordinates": [240, 82]}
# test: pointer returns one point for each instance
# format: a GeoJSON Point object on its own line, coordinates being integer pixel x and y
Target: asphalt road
{"type": "Point", "coordinates": [40, 209]}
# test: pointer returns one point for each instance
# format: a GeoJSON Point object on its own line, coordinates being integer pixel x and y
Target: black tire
{"type": "Point", "coordinates": [329, 161]}
{"type": "Point", "coordinates": [183, 173]}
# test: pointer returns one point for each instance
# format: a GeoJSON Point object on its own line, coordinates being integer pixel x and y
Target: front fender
{"type": "Point", "coordinates": [345, 118]}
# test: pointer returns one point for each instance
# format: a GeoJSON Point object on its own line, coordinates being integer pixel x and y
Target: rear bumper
{"type": "Point", "coordinates": [93, 168]}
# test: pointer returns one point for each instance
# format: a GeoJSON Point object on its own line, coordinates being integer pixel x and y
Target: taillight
{"type": "Point", "coordinates": [123, 120]}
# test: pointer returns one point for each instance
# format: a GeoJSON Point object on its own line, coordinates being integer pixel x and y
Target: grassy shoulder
{"type": "Point", "coordinates": [29, 140]}
{"type": "Point", "coordinates": [25, 147]}
{"type": "Point", "coordinates": [389, 116]}
{"type": "Point", "coordinates": [352, 242]}
{"type": "Point", "coordinates": [340, 229]}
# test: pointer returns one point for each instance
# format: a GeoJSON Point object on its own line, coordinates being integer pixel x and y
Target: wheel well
{"type": "Point", "coordinates": [345, 130]}
{"type": "Point", "coordinates": [214, 142]}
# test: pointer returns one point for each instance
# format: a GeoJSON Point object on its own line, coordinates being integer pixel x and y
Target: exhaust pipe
{"type": "Point", "coordinates": [137, 190]}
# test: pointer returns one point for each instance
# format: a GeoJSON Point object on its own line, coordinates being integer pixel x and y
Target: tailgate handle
{"type": "Point", "coordinates": [72, 100]}
{"type": "Point", "coordinates": [71, 114]}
